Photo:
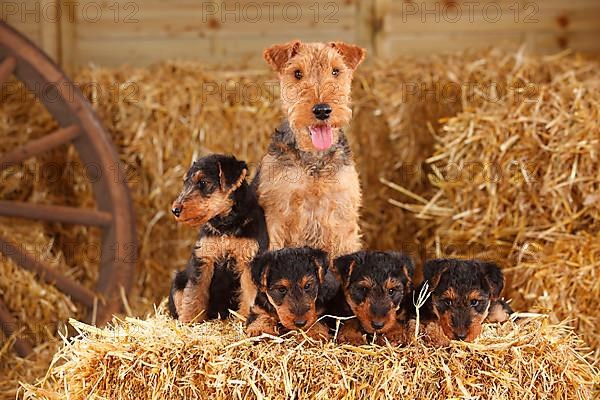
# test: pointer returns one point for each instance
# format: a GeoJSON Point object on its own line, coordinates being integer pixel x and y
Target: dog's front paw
{"type": "Point", "coordinates": [351, 336]}
{"type": "Point", "coordinates": [254, 330]}
{"type": "Point", "coordinates": [499, 311]}
{"type": "Point", "coordinates": [318, 332]}
{"type": "Point", "coordinates": [435, 336]}
{"type": "Point", "coordinates": [395, 338]}
{"type": "Point", "coordinates": [409, 331]}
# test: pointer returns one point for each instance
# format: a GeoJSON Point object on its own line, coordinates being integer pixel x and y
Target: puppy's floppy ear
{"type": "Point", "coordinates": [260, 270]}
{"type": "Point", "coordinates": [352, 55]}
{"type": "Point", "coordinates": [493, 277]}
{"type": "Point", "coordinates": [232, 174]}
{"type": "Point", "coordinates": [343, 267]}
{"type": "Point", "coordinates": [433, 271]}
{"type": "Point", "coordinates": [279, 54]}
{"type": "Point", "coordinates": [321, 260]}
{"type": "Point", "coordinates": [408, 267]}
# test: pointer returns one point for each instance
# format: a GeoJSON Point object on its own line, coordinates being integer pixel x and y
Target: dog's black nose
{"type": "Point", "coordinates": [177, 211]}
{"type": "Point", "coordinates": [322, 111]}
{"type": "Point", "coordinates": [460, 336]}
{"type": "Point", "coordinates": [300, 323]}
{"type": "Point", "coordinates": [377, 325]}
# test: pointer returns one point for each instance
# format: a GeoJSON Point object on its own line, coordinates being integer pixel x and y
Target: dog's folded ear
{"type": "Point", "coordinates": [408, 267]}
{"type": "Point", "coordinates": [405, 263]}
{"type": "Point", "coordinates": [260, 270]}
{"type": "Point", "coordinates": [433, 271]}
{"type": "Point", "coordinates": [321, 260]}
{"type": "Point", "coordinates": [343, 267]}
{"type": "Point", "coordinates": [493, 278]}
{"type": "Point", "coordinates": [352, 55]}
{"type": "Point", "coordinates": [278, 55]}
{"type": "Point", "coordinates": [232, 173]}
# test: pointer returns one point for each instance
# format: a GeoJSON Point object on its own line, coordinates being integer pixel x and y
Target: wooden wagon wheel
{"type": "Point", "coordinates": [80, 126]}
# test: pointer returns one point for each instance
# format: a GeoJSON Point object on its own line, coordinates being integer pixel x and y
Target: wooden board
{"type": "Point", "coordinates": [426, 26]}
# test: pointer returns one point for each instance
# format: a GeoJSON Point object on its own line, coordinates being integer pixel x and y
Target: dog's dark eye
{"type": "Point", "coordinates": [447, 302]}
{"type": "Point", "coordinates": [335, 72]}
{"type": "Point", "coordinates": [298, 74]}
{"type": "Point", "coordinates": [474, 303]}
{"type": "Point", "coordinates": [202, 183]}
{"type": "Point", "coordinates": [308, 286]}
{"type": "Point", "coordinates": [392, 291]}
{"type": "Point", "coordinates": [282, 290]}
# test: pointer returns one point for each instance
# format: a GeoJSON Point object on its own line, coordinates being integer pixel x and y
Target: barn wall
{"type": "Point", "coordinates": [113, 32]}
{"type": "Point", "coordinates": [426, 26]}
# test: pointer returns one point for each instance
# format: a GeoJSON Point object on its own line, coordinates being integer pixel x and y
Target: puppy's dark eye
{"type": "Point", "coordinates": [335, 72]}
{"type": "Point", "coordinates": [474, 303]}
{"type": "Point", "coordinates": [447, 302]}
{"type": "Point", "coordinates": [202, 183]}
{"type": "Point", "coordinates": [298, 74]}
{"type": "Point", "coordinates": [392, 291]}
{"type": "Point", "coordinates": [282, 290]}
{"type": "Point", "coordinates": [307, 287]}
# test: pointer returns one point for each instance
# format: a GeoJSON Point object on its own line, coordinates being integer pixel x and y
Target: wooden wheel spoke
{"type": "Point", "coordinates": [51, 213]}
{"type": "Point", "coordinates": [41, 145]}
{"type": "Point", "coordinates": [78, 292]}
{"type": "Point", "coordinates": [7, 67]}
{"type": "Point", "coordinates": [114, 213]}
{"type": "Point", "coordinates": [9, 327]}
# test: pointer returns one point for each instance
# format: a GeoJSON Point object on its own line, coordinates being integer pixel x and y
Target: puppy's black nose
{"type": "Point", "coordinates": [300, 323]}
{"type": "Point", "coordinates": [321, 111]}
{"type": "Point", "coordinates": [460, 336]}
{"type": "Point", "coordinates": [377, 325]}
{"type": "Point", "coordinates": [177, 211]}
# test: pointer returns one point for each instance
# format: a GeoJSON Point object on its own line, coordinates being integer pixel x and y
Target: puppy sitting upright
{"type": "Point", "coordinates": [307, 182]}
{"type": "Point", "coordinates": [217, 278]}
{"type": "Point", "coordinates": [462, 294]}
{"type": "Point", "coordinates": [375, 287]}
{"type": "Point", "coordinates": [290, 292]}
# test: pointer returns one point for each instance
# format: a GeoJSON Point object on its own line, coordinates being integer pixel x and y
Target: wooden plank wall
{"type": "Point", "coordinates": [426, 26]}
{"type": "Point", "coordinates": [140, 32]}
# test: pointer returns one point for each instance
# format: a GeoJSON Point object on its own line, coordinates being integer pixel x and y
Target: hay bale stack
{"type": "Point", "coordinates": [516, 179]}
{"type": "Point", "coordinates": [160, 119]}
{"type": "Point", "coordinates": [158, 358]}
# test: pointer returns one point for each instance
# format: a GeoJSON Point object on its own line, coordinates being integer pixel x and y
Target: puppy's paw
{"type": "Point", "coordinates": [397, 337]}
{"type": "Point", "coordinates": [499, 311]}
{"type": "Point", "coordinates": [318, 331]}
{"type": "Point", "coordinates": [434, 335]}
{"type": "Point", "coordinates": [351, 336]}
{"type": "Point", "coordinates": [254, 330]}
{"type": "Point", "coordinates": [409, 331]}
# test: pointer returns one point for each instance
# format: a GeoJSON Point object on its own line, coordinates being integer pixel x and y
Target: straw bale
{"type": "Point", "coordinates": [159, 358]}
{"type": "Point", "coordinates": [515, 178]}
{"type": "Point", "coordinates": [163, 117]}
{"type": "Point", "coordinates": [160, 119]}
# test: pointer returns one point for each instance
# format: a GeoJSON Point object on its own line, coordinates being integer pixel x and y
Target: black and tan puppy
{"type": "Point", "coordinates": [463, 294]}
{"type": "Point", "coordinates": [291, 292]}
{"type": "Point", "coordinates": [217, 278]}
{"type": "Point", "coordinates": [375, 287]}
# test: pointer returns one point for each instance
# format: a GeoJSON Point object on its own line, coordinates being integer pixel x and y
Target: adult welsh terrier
{"type": "Point", "coordinates": [307, 182]}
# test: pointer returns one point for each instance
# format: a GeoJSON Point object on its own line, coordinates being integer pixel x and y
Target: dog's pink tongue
{"type": "Point", "coordinates": [321, 136]}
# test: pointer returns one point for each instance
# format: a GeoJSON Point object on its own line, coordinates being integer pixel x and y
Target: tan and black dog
{"type": "Point", "coordinates": [307, 183]}
{"type": "Point", "coordinates": [217, 278]}
{"type": "Point", "coordinates": [464, 294]}
{"type": "Point", "coordinates": [291, 288]}
{"type": "Point", "coordinates": [376, 288]}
